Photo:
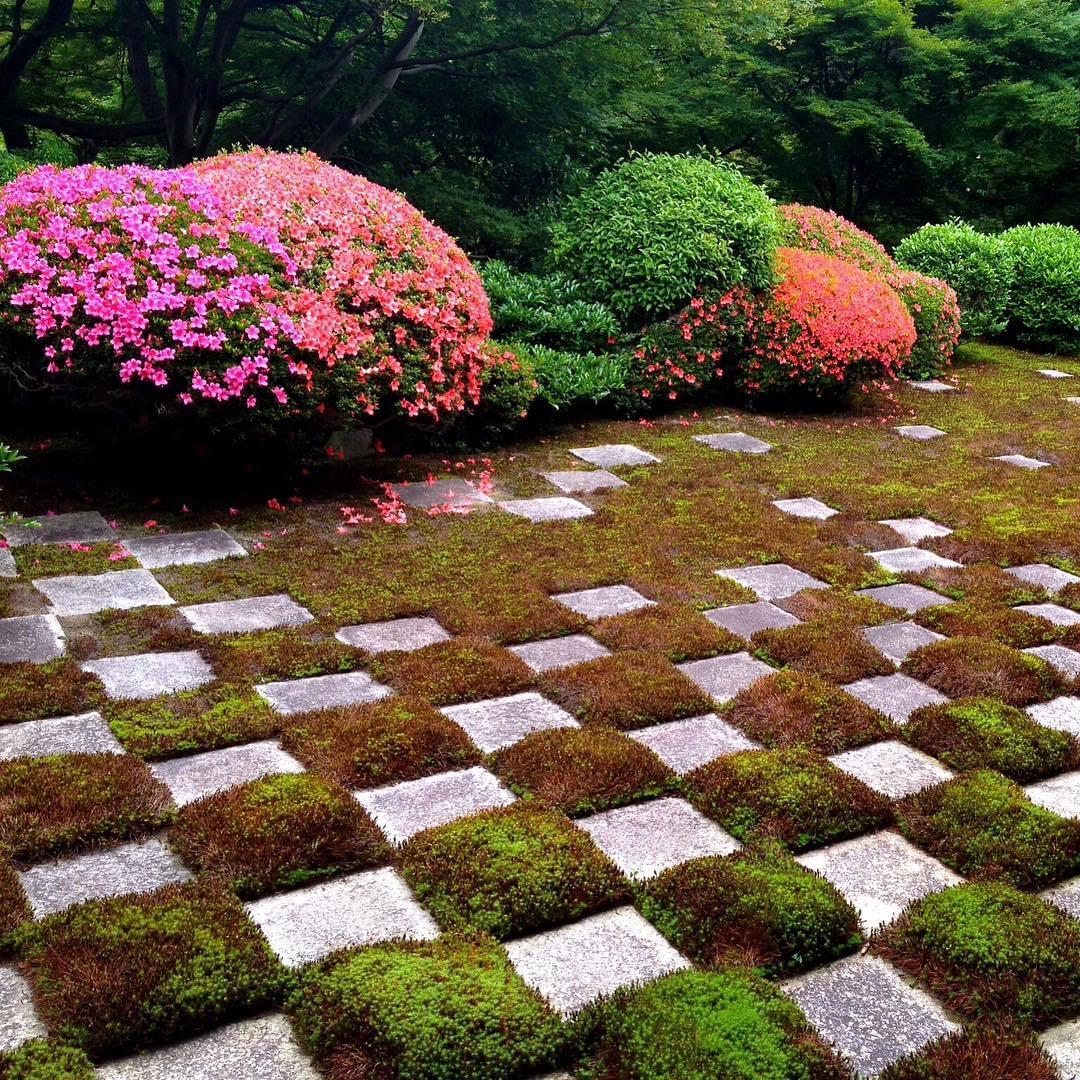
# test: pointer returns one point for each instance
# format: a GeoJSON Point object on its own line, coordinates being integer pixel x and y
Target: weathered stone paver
{"type": "Point", "coordinates": [1065, 897]}
{"type": "Point", "coordinates": [684, 745]}
{"type": "Point", "coordinates": [1061, 794]}
{"type": "Point", "coordinates": [916, 529]}
{"type": "Point", "coordinates": [813, 509]}
{"type": "Point", "coordinates": [195, 777]}
{"type": "Point", "coordinates": [393, 635]}
{"type": "Point", "coordinates": [905, 597]}
{"type": "Point", "coordinates": [899, 640]}
{"type": "Point", "coordinates": [184, 549]}
{"type": "Point", "coordinates": [1073, 400]}
{"type": "Point", "coordinates": [8, 567]}
{"type": "Point", "coordinates": [722, 677]}
{"type": "Point", "coordinates": [920, 432]}
{"type": "Point", "coordinates": [1053, 613]}
{"type": "Point", "coordinates": [555, 508]}
{"type": "Point", "coordinates": [932, 386]}
{"type": "Point", "coordinates": [18, 1020]}
{"type": "Point", "coordinates": [81, 527]}
{"type": "Point", "coordinates": [559, 652]}
{"type": "Point", "coordinates": [34, 639]}
{"type": "Point", "coordinates": [452, 494]}
{"type": "Point", "coordinates": [772, 581]}
{"type": "Point", "coordinates": [1043, 576]}
{"type": "Point", "coordinates": [735, 442]}
{"type": "Point", "coordinates": [500, 722]}
{"type": "Point", "coordinates": [1054, 373]}
{"type": "Point", "coordinates": [604, 602]}
{"type": "Point", "coordinates": [1062, 1043]}
{"type": "Point", "coordinates": [906, 560]}
{"type": "Point", "coordinates": [584, 481]}
{"type": "Point", "coordinates": [322, 692]}
{"type": "Point", "coordinates": [612, 455]}
{"type": "Point", "coordinates": [746, 620]}
{"type": "Point", "coordinates": [87, 594]}
{"type": "Point", "coordinates": [1066, 660]}
{"type": "Point", "coordinates": [897, 696]}
{"type": "Point", "coordinates": [1061, 714]}
{"type": "Point", "coordinates": [148, 675]}
{"type": "Point", "coordinates": [892, 767]}
{"type": "Point", "coordinates": [86, 733]}
{"type": "Point", "coordinates": [1021, 461]}
{"type": "Point", "coordinates": [247, 615]}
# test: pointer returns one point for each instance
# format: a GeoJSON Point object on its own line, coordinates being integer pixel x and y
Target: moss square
{"type": "Point", "coordinates": [41, 1060]}
{"type": "Point", "coordinates": [53, 560]}
{"type": "Point", "coordinates": [293, 653]}
{"type": "Point", "coordinates": [37, 691]}
{"type": "Point", "coordinates": [992, 622]}
{"type": "Point", "coordinates": [827, 647]}
{"type": "Point", "coordinates": [673, 630]}
{"type": "Point", "coordinates": [986, 1051]}
{"type": "Point", "coordinates": [14, 907]}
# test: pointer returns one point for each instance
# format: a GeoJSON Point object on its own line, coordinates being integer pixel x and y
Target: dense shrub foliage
{"type": "Point", "coordinates": [1045, 301]}
{"type": "Point", "coordinates": [810, 228]}
{"type": "Point", "coordinates": [933, 308]}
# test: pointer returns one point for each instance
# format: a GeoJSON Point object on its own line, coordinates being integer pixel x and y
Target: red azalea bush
{"type": "Point", "coordinates": [933, 307]}
{"type": "Point", "coordinates": [823, 231]}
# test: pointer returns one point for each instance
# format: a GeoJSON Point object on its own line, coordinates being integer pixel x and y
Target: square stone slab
{"type": "Point", "coordinates": [866, 1010]}
{"type": "Point", "coordinates": [85, 527]}
{"type": "Point", "coordinates": [909, 598]}
{"type": "Point", "coordinates": [722, 677]}
{"type": "Point", "coordinates": [575, 965]}
{"type": "Point", "coordinates": [932, 386]}
{"type": "Point", "coordinates": [647, 838]}
{"type": "Point", "coordinates": [1067, 661]}
{"type": "Point", "coordinates": [1060, 794]}
{"type": "Point", "coordinates": [583, 481]}
{"type": "Point", "coordinates": [149, 675]}
{"type": "Point", "coordinates": [246, 616]}
{"type": "Point", "coordinates": [772, 581]}
{"type": "Point", "coordinates": [87, 733]}
{"type": "Point", "coordinates": [1053, 373]}
{"type": "Point", "coordinates": [612, 455]}
{"type": "Point", "coordinates": [559, 652]}
{"type": "Point", "coordinates": [402, 810]}
{"type": "Point", "coordinates": [805, 508]}
{"type": "Point", "coordinates": [1061, 714]}
{"type": "Point", "coordinates": [34, 639]}
{"type": "Point", "coordinates": [735, 442]}
{"type": "Point", "coordinates": [7, 563]}
{"type": "Point", "coordinates": [745, 620]}
{"type": "Point", "coordinates": [119, 871]}
{"type": "Point", "coordinates": [604, 602]}
{"type": "Point", "coordinates": [1073, 400]}
{"type": "Point", "coordinates": [556, 508]}
{"type": "Point", "coordinates": [322, 692]}
{"type": "Point", "coordinates": [261, 1047]}
{"type": "Point", "coordinates": [306, 924]}
{"type": "Point", "coordinates": [906, 560]}
{"type": "Point", "coordinates": [18, 1020]}
{"type": "Point", "coordinates": [1054, 613]}
{"type": "Point", "coordinates": [920, 432]}
{"type": "Point", "coordinates": [892, 767]}
{"type": "Point", "coordinates": [454, 494]}
{"type": "Point", "coordinates": [879, 874]}
{"type": "Point", "coordinates": [195, 777]}
{"type": "Point", "coordinates": [500, 722]}
{"type": "Point", "coordinates": [1065, 897]}
{"type": "Point", "coordinates": [684, 745]}
{"type": "Point", "coordinates": [184, 549]}
{"type": "Point", "coordinates": [1062, 1043]}
{"type": "Point", "coordinates": [404, 635]}
{"type": "Point", "coordinates": [1043, 576]}
{"type": "Point", "coordinates": [916, 529]}
{"type": "Point", "coordinates": [897, 641]}
{"type": "Point", "coordinates": [87, 594]}
{"type": "Point", "coordinates": [897, 696]}
{"type": "Point", "coordinates": [1021, 461]}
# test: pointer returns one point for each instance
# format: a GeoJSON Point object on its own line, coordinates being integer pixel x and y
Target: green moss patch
{"type": "Point", "coordinates": [675, 631]}
{"type": "Point", "coordinates": [830, 648]}
{"type": "Point", "coordinates": [36, 691]}
{"type": "Point", "coordinates": [295, 653]}
{"type": "Point", "coordinates": [52, 560]}
{"type": "Point", "coordinates": [126, 633]}
{"type": "Point", "coordinates": [40, 1060]}
{"type": "Point", "coordinates": [985, 1051]}
{"type": "Point", "coordinates": [1005, 625]}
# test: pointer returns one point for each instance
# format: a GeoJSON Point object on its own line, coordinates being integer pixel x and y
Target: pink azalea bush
{"type": "Point", "coordinates": [935, 311]}
{"type": "Point", "coordinates": [827, 233]}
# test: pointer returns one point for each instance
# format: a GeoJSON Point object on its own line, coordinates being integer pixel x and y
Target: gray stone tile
{"type": "Point", "coordinates": [685, 745]}
{"type": "Point", "coordinates": [898, 640]}
{"type": "Point", "coordinates": [1054, 373]}
{"type": "Point", "coordinates": [322, 692]}
{"type": "Point", "coordinates": [195, 777]}
{"type": "Point", "coordinates": [909, 598]}
{"type": "Point", "coordinates": [453, 494]}
{"type": "Point", "coordinates": [746, 620]}
{"type": "Point", "coordinates": [1054, 613]}
{"type": "Point", "coordinates": [18, 1020]}
{"type": "Point", "coordinates": [1061, 794]}
{"type": "Point", "coordinates": [261, 1047]}
{"type": "Point", "coordinates": [1061, 714]}
{"type": "Point", "coordinates": [897, 696]}
{"type": "Point", "coordinates": [184, 549]}
{"type": "Point", "coordinates": [149, 675]}
{"type": "Point", "coordinates": [556, 508]}
{"type": "Point", "coordinates": [34, 639]}
{"type": "Point", "coordinates": [87, 594]}
{"type": "Point", "coordinates": [892, 767]}
{"type": "Point", "coordinates": [722, 677]}
{"type": "Point", "coordinates": [645, 839]}
{"type": "Point", "coordinates": [772, 581]}
{"type": "Point", "coordinates": [559, 652]}
{"type": "Point", "coordinates": [604, 602]}
{"type": "Point", "coordinates": [500, 722]}
{"type": "Point", "coordinates": [246, 616]}
{"type": "Point", "coordinates": [8, 568]}
{"type": "Point", "coordinates": [306, 924]}
{"type": "Point", "coordinates": [1021, 461]}
{"type": "Point", "coordinates": [94, 875]}
{"type": "Point", "coordinates": [575, 965]}
{"type": "Point", "coordinates": [1065, 897]}
{"type": "Point", "coordinates": [583, 481]}
{"type": "Point", "coordinates": [916, 529]}
{"type": "Point", "coordinates": [866, 1010]}
{"type": "Point", "coordinates": [920, 432]}
{"type": "Point", "coordinates": [814, 509]}
{"type": "Point", "coordinates": [84, 527]}
{"type": "Point", "coordinates": [1073, 400]}
{"type": "Point", "coordinates": [1062, 1043]}
{"type": "Point", "coordinates": [932, 386]}
{"type": "Point", "coordinates": [1043, 576]}
{"type": "Point", "coordinates": [612, 455]}
{"type": "Point", "coordinates": [880, 874]}
{"type": "Point", "coordinates": [404, 635]}
{"type": "Point", "coordinates": [735, 442]}
{"type": "Point", "coordinates": [402, 810]}
{"type": "Point", "coordinates": [87, 733]}
{"type": "Point", "coordinates": [906, 560]}
{"type": "Point", "coordinates": [1067, 661]}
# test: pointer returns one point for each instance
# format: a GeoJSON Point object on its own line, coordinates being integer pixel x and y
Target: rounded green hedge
{"type": "Point", "coordinates": [1045, 301]}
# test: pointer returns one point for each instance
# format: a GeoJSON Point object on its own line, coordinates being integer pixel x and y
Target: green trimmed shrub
{"type": "Point", "coordinates": [568, 380]}
{"type": "Point", "coordinates": [1045, 299]}
{"type": "Point", "coordinates": [40, 1060]}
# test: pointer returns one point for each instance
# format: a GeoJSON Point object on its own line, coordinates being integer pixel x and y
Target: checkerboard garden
{"type": "Point", "coordinates": [717, 730]}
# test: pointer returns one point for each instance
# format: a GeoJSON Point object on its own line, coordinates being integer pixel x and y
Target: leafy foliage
{"type": "Point", "coordinates": [1045, 299]}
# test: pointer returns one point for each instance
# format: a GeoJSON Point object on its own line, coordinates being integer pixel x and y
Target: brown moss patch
{"type": "Point", "coordinates": [36, 691]}
{"type": "Point", "coordinates": [827, 647]}
{"type": "Point", "coordinates": [14, 907]}
{"type": "Point", "coordinates": [507, 615]}
{"type": "Point", "coordinates": [126, 633]}
{"type": "Point", "coordinates": [838, 605]}
{"type": "Point", "coordinates": [294, 653]}
{"type": "Point", "coordinates": [979, 1052]}
{"type": "Point", "coordinates": [1006, 625]}
{"type": "Point", "coordinates": [678, 632]}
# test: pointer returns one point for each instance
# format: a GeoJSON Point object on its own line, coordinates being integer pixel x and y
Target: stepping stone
{"type": "Point", "coordinates": [684, 745]}
{"type": "Point", "coordinates": [772, 581]}
{"type": "Point", "coordinates": [150, 675]}
{"type": "Point", "coordinates": [920, 432]}
{"type": "Point", "coordinates": [892, 768]}
{"type": "Point", "coordinates": [452, 494]}
{"type": "Point", "coordinates": [306, 924]}
{"type": "Point", "coordinates": [897, 696]}
{"type": "Point", "coordinates": [909, 598]}
{"type": "Point", "coordinates": [1053, 613]}
{"type": "Point", "coordinates": [184, 549]}
{"type": "Point", "coordinates": [119, 871]}
{"type": "Point", "coordinates": [1054, 373]}
{"type": "Point", "coordinates": [897, 641]}
{"type": "Point", "coordinates": [1043, 576]}
{"type": "Point", "coordinates": [1062, 1043]}
{"type": "Point", "coordinates": [916, 529]}
{"type": "Point", "coordinates": [246, 616]}
{"type": "Point", "coordinates": [604, 602]}
{"type": "Point", "coordinates": [745, 620]}
{"type": "Point", "coordinates": [396, 635]}
{"type": "Point", "coordinates": [556, 508]}
{"type": "Point", "coordinates": [583, 481]}
{"type": "Point", "coordinates": [84, 527]}
{"type": "Point", "coordinates": [805, 508]}
{"type": "Point", "coordinates": [87, 733]}
{"type": "Point", "coordinates": [612, 455]}
{"type": "Point", "coordinates": [1060, 794]}
{"type": "Point", "coordinates": [1021, 461]}
{"type": "Point", "coordinates": [1065, 896]}
{"type": "Point", "coordinates": [879, 874]}
{"type": "Point", "coordinates": [501, 722]}
{"type": "Point", "coordinates": [1061, 714]}
{"type": "Point", "coordinates": [1073, 400]}
{"type": "Point", "coordinates": [7, 564]}
{"type": "Point", "coordinates": [932, 386]}
{"type": "Point", "coordinates": [1066, 661]}
{"type": "Point", "coordinates": [575, 965]}
{"type": "Point", "coordinates": [560, 652]}
{"type": "Point", "coordinates": [723, 677]}
{"type": "Point", "coordinates": [87, 594]}
{"type": "Point", "coordinates": [322, 692]}
{"type": "Point", "coordinates": [18, 1020]}
{"type": "Point", "coordinates": [34, 639]}
{"type": "Point", "coordinates": [866, 1010]}
{"type": "Point", "coordinates": [195, 777]}
{"type": "Point", "coordinates": [402, 810]}
{"type": "Point", "coordinates": [263, 1046]}
{"type": "Point", "coordinates": [735, 442]}
{"type": "Point", "coordinates": [906, 560]}
{"type": "Point", "coordinates": [647, 838]}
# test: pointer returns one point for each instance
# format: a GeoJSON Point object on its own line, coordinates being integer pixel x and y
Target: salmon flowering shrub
{"type": "Point", "coordinates": [935, 311]}
{"type": "Point", "coordinates": [827, 233]}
